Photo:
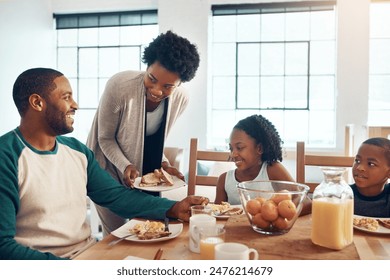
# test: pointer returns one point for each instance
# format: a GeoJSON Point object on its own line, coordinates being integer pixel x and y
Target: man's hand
{"type": "Point", "coordinates": [181, 210]}
{"type": "Point", "coordinates": [130, 174]}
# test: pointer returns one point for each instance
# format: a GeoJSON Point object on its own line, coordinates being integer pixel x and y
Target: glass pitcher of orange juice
{"type": "Point", "coordinates": [332, 211]}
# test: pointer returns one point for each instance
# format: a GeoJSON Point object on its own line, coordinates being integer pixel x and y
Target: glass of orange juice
{"type": "Point", "coordinates": [209, 237]}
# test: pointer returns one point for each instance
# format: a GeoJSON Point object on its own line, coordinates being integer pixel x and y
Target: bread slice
{"type": "Point", "coordinates": [384, 223]}
{"type": "Point", "coordinates": [149, 180]}
{"type": "Point", "coordinates": [166, 177]}
{"type": "Point", "coordinates": [157, 178]}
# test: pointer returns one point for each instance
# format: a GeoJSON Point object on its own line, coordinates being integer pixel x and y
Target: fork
{"type": "Point", "coordinates": [112, 243]}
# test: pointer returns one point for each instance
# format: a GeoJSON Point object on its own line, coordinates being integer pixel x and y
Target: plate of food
{"type": "Point", "coordinates": [372, 224]}
{"type": "Point", "coordinates": [147, 231]}
{"type": "Point", "coordinates": [158, 181]}
{"type": "Point", "coordinates": [225, 210]}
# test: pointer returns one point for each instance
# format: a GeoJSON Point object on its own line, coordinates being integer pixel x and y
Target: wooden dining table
{"type": "Point", "coordinates": [294, 245]}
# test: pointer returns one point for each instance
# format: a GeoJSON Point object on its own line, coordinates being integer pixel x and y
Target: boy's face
{"type": "Point", "coordinates": [371, 169]}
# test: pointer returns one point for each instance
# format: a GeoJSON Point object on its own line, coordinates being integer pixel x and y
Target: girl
{"type": "Point", "coordinates": [371, 172]}
{"type": "Point", "coordinates": [255, 147]}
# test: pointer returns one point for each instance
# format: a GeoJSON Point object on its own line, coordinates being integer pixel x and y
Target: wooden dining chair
{"type": "Point", "coordinates": [174, 156]}
{"type": "Point", "coordinates": [378, 131]}
{"type": "Point", "coordinates": [349, 140]}
{"type": "Point", "coordinates": [303, 160]}
{"type": "Point", "coordinates": [196, 156]}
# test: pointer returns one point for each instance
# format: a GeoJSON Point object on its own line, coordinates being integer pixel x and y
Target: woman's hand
{"type": "Point", "coordinates": [181, 210]}
{"type": "Point", "coordinates": [172, 170]}
{"type": "Point", "coordinates": [130, 174]}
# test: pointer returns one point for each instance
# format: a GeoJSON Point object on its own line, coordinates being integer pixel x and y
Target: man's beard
{"type": "Point", "coordinates": [58, 122]}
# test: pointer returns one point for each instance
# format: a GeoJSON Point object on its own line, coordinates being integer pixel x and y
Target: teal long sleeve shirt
{"type": "Point", "coordinates": [43, 197]}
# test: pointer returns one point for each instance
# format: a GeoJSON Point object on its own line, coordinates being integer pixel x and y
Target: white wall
{"type": "Point", "coordinates": [27, 40]}
{"type": "Point", "coordinates": [352, 67]}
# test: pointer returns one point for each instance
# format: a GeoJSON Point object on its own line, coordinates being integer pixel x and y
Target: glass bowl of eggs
{"type": "Point", "coordinates": [272, 207]}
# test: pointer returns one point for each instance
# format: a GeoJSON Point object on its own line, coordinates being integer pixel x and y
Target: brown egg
{"type": "Point", "coordinates": [287, 209]}
{"type": "Point", "coordinates": [269, 211]}
{"type": "Point", "coordinates": [260, 222]}
{"type": "Point", "coordinates": [281, 195]}
{"type": "Point", "coordinates": [280, 223]}
{"type": "Point", "coordinates": [253, 206]}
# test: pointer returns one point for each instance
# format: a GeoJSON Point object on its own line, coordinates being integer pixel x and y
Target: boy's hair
{"type": "Point", "coordinates": [174, 53]}
{"type": "Point", "coordinates": [381, 142]}
{"type": "Point", "coordinates": [264, 133]}
{"type": "Point", "coordinates": [35, 80]}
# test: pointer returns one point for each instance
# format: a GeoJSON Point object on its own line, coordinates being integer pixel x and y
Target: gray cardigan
{"type": "Point", "coordinates": [117, 133]}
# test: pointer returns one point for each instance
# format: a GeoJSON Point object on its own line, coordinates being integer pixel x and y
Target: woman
{"type": "Point", "coordinates": [137, 111]}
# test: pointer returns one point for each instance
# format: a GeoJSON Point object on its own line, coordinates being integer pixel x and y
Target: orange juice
{"type": "Point", "coordinates": [207, 247]}
{"type": "Point", "coordinates": [332, 222]}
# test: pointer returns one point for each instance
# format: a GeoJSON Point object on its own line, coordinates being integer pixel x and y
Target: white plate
{"type": "Point", "coordinates": [177, 183]}
{"type": "Point", "coordinates": [381, 229]}
{"type": "Point", "coordinates": [225, 217]}
{"type": "Point", "coordinates": [133, 258]}
{"type": "Point", "coordinates": [124, 230]}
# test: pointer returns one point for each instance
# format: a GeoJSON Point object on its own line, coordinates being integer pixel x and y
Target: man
{"type": "Point", "coordinates": [45, 178]}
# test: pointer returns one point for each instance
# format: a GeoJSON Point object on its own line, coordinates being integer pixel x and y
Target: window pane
{"type": "Point", "coordinates": [67, 61]}
{"type": "Point", "coordinates": [272, 92]}
{"type": "Point", "coordinates": [297, 26]}
{"type": "Point", "coordinates": [130, 35]}
{"type": "Point", "coordinates": [67, 37]}
{"type": "Point", "coordinates": [380, 56]}
{"type": "Point", "coordinates": [379, 18]}
{"type": "Point", "coordinates": [379, 92]}
{"type": "Point", "coordinates": [88, 62]}
{"type": "Point", "coordinates": [224, 57]}
{"type": "Point", "coordinates": [224, 93]}
{"type": "Point", "coordinates": [248, 28]}
{"type": "Point", "coordinates": [108, 61]}
{"type": "Point", "coordinates": [248, 57]}
{"type": "Point", "coordinates": [272, 59]}
{"type": "Point", "coordinates": [148, 32]}
{"type": "Point", "coordinates": [221, 126]}
{"type": "Point", "coordinates": [102, 86]}
{"type": "Point", "coordinates": [297, 59]}
{"type": "Point", "coordinates": [322, 133]}
{"type": "Point", "coordinates": [82, 124]}
{"type": "Point", "coordinates": [130, 58]}
{"type": "Point", "coordinates": [88, 37]}
{"type": "Point", "coordinates": [322, 26]}
{"type": "Point", "coordinates": [272, 27]}
{"type": "Point", "coordinates": [248, 92]}
{"type": "Point", "coordinates": [296, 126]}
{"type": "Point", "coordinates": [322, 95]}
{"type": "Point", "coordinates": [88, 93]}
{"type": "Point", "coordinates": [296, 92]}
{"type": "Point", "coordinates": [109, 36]}
{"type": "Point", "coordinates": [379, 79]}
{"type": "Point", "coordinates": [224, 29]}
{"type": "Point", "coordinates": [322, 57]}
{"type": "Point", "coordinates": [73, 84]}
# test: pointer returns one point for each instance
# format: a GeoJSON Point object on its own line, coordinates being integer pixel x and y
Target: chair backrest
{"type": "Point", "coordinates": [349, 144]}
{"type": "Point", "coordinates": [202, 155]}
{"type": "Point", "coordinates": [175, 156]}
{"type": "Point", "coordinates": [379, 131]}
{"type": "Point", "coordinates": [304, 160]}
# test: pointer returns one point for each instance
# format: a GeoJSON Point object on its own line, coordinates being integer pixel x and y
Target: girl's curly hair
{"type": "Point", "coordinates": [264, 133]}
{"type": "Point", "coordinates": [174, 53]}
